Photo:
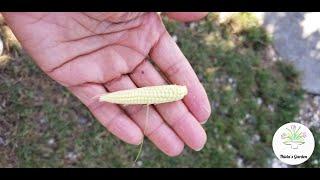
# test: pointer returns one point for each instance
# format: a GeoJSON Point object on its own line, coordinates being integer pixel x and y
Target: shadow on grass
{"type": "Point", "coordinates": [47, 127]}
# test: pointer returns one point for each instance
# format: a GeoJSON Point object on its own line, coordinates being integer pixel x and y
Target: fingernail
{"type": "Point", "coordinates": [203, 122]}
{"type": "Point", "coordinates": [207, 109]}
{"type": "Point", "coordinates": [205, 114]}
{"type": "Point", "coordinates": [199, 148]}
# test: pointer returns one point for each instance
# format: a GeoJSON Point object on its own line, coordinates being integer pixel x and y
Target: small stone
{"type": "Point", "coordinates": [139, 163]}
{"type": "Point", "coordinates": [301, 112]}
{"type": "Point", "coordinates": [309, 108]}
{"type": "Point", "coordinates": [271, 107]}
{"type": "Point", "coordinates": [83, 120]}
{"type": "Point", "coordinates": [316, 100]}
{"type": "Point", "coordinates": [229, 146]}
{"type": "Point", "coordinates": [230, 80]}
{"type": "Point", "coordinates": [2, 141]}
{"type": "Point", "coordinates": [255, 138]}
{"type": "Point", "coordinates": [193, 25]}
{"type": "Point", "coordinates": [175, 38]}
{"type": "Point", "coordinates": [315, 117]}
{"type": "Point", "coordinates": [72, 156]}
{"type": "Point", "coordinates": [51, 142]}
{"type": "Point", "coordinates": [239, 162]}
{"type": "Point", "coordinates": [278, 164]}
{"type": "Point", "coordinates": [259, 101]}
{"type": "Point", "coordinates": [43, 120]}
{"type": "Point", "coordinates": [309, 115]}
{"type": "Point", "coordinates": [3, 104]}
{"type": "Point", "coordinates": [315, 162]}
{"type": "Point", "coordinates": [297, 119]}
{"type": "Point", "coordinates": [214, 104]}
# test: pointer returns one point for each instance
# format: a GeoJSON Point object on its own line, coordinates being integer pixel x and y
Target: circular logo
{"type": "Point", "coordinates": [293, 143]}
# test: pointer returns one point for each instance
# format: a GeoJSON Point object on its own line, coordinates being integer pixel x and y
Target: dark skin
{"type": "Point", "coordinates": [94, 53]}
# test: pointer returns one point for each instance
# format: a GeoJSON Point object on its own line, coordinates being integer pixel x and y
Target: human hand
{"type": "Point", "coordinates": [94, 53]}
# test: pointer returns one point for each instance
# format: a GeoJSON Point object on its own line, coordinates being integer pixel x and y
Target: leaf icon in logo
{"type": "Point", "coordinates": [294, 137]}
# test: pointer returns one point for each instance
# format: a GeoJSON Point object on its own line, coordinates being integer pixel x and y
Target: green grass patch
{"type": "Point", "coordinates": [48, 127]}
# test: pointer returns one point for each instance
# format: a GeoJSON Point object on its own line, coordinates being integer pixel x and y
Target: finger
{"type": "Point", "coordinates": [186, 16]}
{"type": "Point", "coordinates": [154, 127]}
{"type": "Point", "coordinates": [176, 114]}
{"type": "Point", "coordinates": [168, 57]}
{"type": "Point", "coordinates": [109, 115]}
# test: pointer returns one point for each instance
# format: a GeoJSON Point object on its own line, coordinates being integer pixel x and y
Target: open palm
{"type": "Point", "coordinates": [95, 53]}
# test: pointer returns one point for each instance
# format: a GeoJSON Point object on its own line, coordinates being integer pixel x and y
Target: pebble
{"type": "Point", "coordinates": [271, 107]}
{"type": "Point", "coordinates": [2, 142]}
{"type": "Point", "coordinates": [315, 117]}
{"type": "Point", "coordinates": [175, 38]}
{"type": "Point", "coordinates": [316, 100]}
{"type": "Point", "coordinates": [214, 104]}
{"type": "Point", "coordinates": [309, 113]}
{"type": "Point", "coordinates": [193, 25]}
{"type": "Point", "coordinates": [51, 141]}
{"type": "Point", "coordinates": [82, 120]}
{"type": "Point", "coordinates": [256, 138]}
{"type": "Point", "coordinates": [259, 101]}
{"type": "Point", "coordinates": [315, 162]}
{"type": "Point", "coordinates": [229, 146]}
{"type": "Point", "coordinates": [301, 111]}
{"type": "Point", "coordinates": [43, 120]}
{"type": "Point", "coordinates": [240, 162]}
{"type": "Point", "coordinates": [278, 164]}
{"type": "Point", "coordinates": [139, 163]}
{"type": "Point", "coordinates": [230, 80]}
{"type": "Point", "coordinates": [72, 156]}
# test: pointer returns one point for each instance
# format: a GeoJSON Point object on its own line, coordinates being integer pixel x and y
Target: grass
{"type": "Point", "coordinates": [43, 125]}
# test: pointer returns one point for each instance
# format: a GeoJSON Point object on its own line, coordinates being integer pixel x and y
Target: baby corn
{"type": "Point", "coordinates": [146, 95]}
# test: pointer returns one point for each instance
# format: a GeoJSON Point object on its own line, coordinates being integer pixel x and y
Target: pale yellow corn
{"type": "Point", "coordinates": [146, 95]}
